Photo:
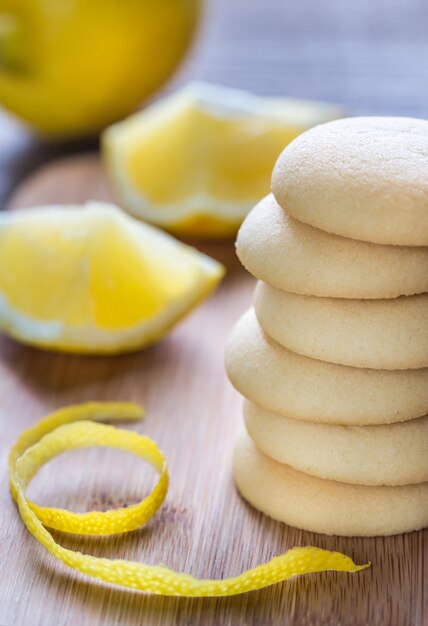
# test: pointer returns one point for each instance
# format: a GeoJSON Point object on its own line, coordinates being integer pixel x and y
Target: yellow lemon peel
{"type": "Point", "coordinates": [69, 428]}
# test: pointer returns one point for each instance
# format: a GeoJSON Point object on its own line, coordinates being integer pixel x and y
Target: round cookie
{"type": "Point", "coordinates": [362, 177]}
{"type": "Point", "coordinates": [395, 454]}
{"type": "Point", "coordinates": [381, 334]}
{"type": "Point", "coordinates": [295, 257]}
{"type": "Point", "coordinates": [290, 384]}
{"type": "Point", "coordinates": [326, 506]}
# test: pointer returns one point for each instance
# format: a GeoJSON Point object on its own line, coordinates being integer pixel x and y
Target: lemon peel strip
{"type": "Point", "coordinates": [68, 429]}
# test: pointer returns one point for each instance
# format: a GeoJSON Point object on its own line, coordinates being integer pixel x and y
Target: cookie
{"type": "Point", "coordinates": [381, 334]}
{"type": "Point", "coordinates": [395, 454]}
{"type": "Point", "coordinates": [295, 257]}
{"type": "Point", "coordinates": [361, 177]}
{"type": "Point", "coordinates": [326, 506]}
{"type": "Point", "coordinates": [303, 388]}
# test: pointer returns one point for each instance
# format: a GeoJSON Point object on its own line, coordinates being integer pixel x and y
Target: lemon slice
{"type": "Point", "coordinates": [67, 429]}
{"type": "Point", "coordinates": [197, 161]}
{"type": "Point", "coordinates": [92, 279]}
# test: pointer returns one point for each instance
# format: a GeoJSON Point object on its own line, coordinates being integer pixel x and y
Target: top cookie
{"type": "Point", "coordinates": [364, 178]}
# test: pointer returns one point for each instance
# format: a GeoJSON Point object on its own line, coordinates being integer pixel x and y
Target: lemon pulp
{"type": "Point", "coordinates": [197, 161]}
{"type": "Point", "coordinates": [93, 279]}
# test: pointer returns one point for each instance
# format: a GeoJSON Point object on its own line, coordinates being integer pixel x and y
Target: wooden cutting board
{"type": "Point", "coordinates": [204, 527]}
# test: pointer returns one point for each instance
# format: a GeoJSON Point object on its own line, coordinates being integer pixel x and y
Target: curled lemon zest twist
{"type": "Point", "coordinates": [76, 427]}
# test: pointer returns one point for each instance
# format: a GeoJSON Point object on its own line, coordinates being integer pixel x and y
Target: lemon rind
{"type": "Point", "coordinates": [70, 428]}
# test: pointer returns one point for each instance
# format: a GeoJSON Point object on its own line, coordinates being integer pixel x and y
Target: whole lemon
{"type": "Point", "coordinates": [71, 67]}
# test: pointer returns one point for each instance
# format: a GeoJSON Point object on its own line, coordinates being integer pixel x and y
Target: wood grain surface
{"type": "Point", "coordinates": [204, 527]}
{"type": "Point", "coordinates": [371, 57]}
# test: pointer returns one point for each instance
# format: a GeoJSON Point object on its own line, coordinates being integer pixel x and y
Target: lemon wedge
{"type": "Point", "coordinates": [197, 161]}
{"type": "Point", "coordinates": [91, 279]}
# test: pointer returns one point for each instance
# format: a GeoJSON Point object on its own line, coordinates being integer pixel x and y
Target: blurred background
{"type": "Point", "coordinates": [369, 55]}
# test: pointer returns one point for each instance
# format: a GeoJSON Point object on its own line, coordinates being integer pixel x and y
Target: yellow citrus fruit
{"type": "Point", "coordinates": [93, 280]}
{"type": "Point", "coordinates": [196, 162]}
{"type": "Point", "coordinates": [71, 68]}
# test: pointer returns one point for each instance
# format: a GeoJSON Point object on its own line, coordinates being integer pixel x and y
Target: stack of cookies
{"type": "Point", "coordinates": [332, 360]}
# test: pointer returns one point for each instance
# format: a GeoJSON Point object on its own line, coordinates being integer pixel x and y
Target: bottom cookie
{"type": "Point", "coordinates": [326, 506]}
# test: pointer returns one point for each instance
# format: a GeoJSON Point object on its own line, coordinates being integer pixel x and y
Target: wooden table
{"type": "Point", "coordinates": [370, 56]}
